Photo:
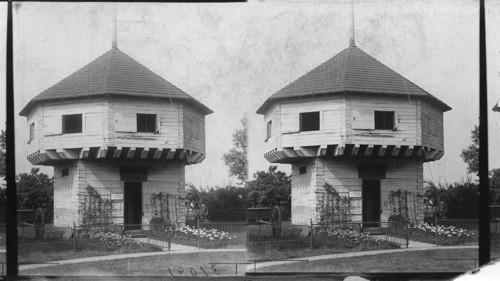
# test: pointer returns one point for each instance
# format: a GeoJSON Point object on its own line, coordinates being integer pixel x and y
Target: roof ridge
{"type": "Point", "coordinates": [108, 72]}
{"type": "Point", "coordinates": [346, 67]}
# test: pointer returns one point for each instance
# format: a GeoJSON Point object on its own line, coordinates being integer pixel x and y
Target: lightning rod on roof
{"type": "Point", "coordinates": [114, 44]}
{"type": "Point", "coordinates": [351, 40]}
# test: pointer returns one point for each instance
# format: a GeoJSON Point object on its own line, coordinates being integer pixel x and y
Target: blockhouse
{"type": "Point", "coordinates": [120, 128]}
{"type": "Point", "coordinates": [359, 126]}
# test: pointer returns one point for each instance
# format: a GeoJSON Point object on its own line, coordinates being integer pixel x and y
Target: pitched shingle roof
{"type": "Point", "coordinates": [350, 71]}
{"type": "Point", "coordinates": [113, 74]}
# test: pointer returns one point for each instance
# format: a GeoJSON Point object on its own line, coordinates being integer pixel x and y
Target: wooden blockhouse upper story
{"type": "Point", "coordinates": [115, 108]}
{"type": "Point", "coordinates": [353, 105]}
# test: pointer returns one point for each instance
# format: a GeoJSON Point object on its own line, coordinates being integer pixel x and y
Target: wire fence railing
{"type": "Point", "coordinates": [240, 234]}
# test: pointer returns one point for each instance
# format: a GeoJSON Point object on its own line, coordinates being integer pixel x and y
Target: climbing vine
{"type": "Point", "coordinates": [404, 203]}
{"type": "Point", "coordinates": [334, 207]}
{"type": "Point", "coordinates": [164, 208]}
{"type": "Point", "coordinates": [95, 210]}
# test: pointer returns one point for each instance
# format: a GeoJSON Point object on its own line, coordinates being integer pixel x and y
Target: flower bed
{"type": "Point", "coordinates": [110, 241]}
{"type": "Point", "coordinates": [447, 235]}
{"type": "Point", "coordinates": [349, 239]}
{"type": "Point", "coordinates": [209, 238]}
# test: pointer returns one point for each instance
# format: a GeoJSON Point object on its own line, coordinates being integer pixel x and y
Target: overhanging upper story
{"type": "Point", "coordinates": [353, 106]}
{"type": "Point", "coordinates": [115, 108]}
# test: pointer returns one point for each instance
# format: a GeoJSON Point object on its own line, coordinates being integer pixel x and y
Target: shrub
{"type": "Point", "coordinates": [344, 237]}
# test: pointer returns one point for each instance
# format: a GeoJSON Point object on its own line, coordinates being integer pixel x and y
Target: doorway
{"type": "Point", "coordinates": [132, 202]}
{"type": "Point", "coordinates": [371, 203]}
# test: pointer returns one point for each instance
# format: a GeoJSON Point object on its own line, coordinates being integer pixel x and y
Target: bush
{"type": "Point", "coordinates": [458, 200]}
{"type": "Point", "coordinates": [344, 237]}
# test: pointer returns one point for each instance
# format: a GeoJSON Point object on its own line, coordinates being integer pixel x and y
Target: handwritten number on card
{"type": "Point", "coordinates": [216, 271]}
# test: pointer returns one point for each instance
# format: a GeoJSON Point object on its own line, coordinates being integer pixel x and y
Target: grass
{"type": "Point", "coordinates": [55, 247]}
{"type": "Point", "coordinates": [321, 248]}
{"type": "Point", "coordinates": [49, 253]}
{"type": "Point", "coordinates": [411, 261]}
{"type": "Point", "coordinates": [152, 266]}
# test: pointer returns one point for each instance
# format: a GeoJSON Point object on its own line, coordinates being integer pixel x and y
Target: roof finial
{"type": "Point", "coordinates": [351, 40]}
{"type": "Point", "coordinates": [114, 44]}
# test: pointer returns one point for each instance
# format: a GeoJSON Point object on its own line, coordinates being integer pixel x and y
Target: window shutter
{"type": "Point", "coordinates": [396, 121]}
{"type": "Point", "coordinates": [52, 125]}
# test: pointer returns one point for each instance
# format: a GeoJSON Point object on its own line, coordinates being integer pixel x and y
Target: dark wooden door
{"type": "Point", "coordinates": [133, 204]}
{"type": "Point", "coordinates": [371, 203]}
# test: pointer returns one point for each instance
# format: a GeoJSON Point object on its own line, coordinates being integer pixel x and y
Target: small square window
{"type": "Point", "coordinates": [303, 170]}
{"type": "Point", "coordinates": [32, 131]}
{"type": "Point", "coordinates": [384, 120]}
{"type": "Point", "coordinates": [269, 129]}
{"type": "Point", "coordinates": [65, 172]}
{"type": "Point", "coordinates": [72, 124]}
{"type": "Point", "coordinates": [309, 121]}
{"type": "Point", "coordinates": [146, 123]}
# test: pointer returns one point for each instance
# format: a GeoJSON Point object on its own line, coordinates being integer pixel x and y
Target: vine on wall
{"type": "Point", "coordinates": [95, 210]}
{"type": "Point", "coordinates": [334, 207]}
{"type": "Point", "coordinates": [164, 208]}
{"type": "Point", "coordinates": [404, 204]}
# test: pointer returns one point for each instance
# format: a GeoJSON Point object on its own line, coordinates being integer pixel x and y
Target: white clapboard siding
{"type": "Point", "coordinates": [361, 124]}
{"type": "Point", "coordinates": [93, 124]}
{"type": "Point", "coordinates": [432, 126]}
{"type": "Point", "coordinates": [332, 122]}
{"type": "Point", "coordinates": [343, 175]}
{"type": "Point", "coordinates": [194, 130]}
{"type": "Point", "coordinates": [273, 115]}
{"type": "Point", "coordinates": [35, 117]}
{"type": "Point", "coordinates": [66, 194]}
{"type": "Point", "coordinates": [124, 115]}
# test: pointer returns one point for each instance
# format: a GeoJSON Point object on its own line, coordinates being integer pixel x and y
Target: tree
{"type": "Point", "coordinates": [270, 188]}
{"type": "Point", "coordinates": [236, 158]}
{"type": "Point", "coordinates": [218, 204]}
{"type": "Point", "coordinates": [35, 190]}
{"type": "Point", "coordinates": [470, 155]}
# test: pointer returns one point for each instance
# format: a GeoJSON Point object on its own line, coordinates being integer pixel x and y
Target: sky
{"type": "Point", "coordinates": [233, 56]}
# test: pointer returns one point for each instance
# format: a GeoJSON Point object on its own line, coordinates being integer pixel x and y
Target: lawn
{"type": "Point", "coordinates": [437, 260]}
{"type": "Point", "coordinates": [161, 265]}
{"type": "Point", "coordinates": [55, 247]}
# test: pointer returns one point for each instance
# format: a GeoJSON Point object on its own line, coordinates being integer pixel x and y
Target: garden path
{"type": "Point", "coordinates": [415, 246]}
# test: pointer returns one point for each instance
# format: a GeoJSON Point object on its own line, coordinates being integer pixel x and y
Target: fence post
{"type": "Point", "coordinates": [311, 232]}
{"type": "Point", "coordinates": [436, 222]}
{"type": "Point", "coordinates": [198, 226]}
{"type": "Point", "coordinates": [74, 236]}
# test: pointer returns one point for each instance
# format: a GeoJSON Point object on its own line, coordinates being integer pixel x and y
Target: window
{"type": "Point", "coordinates": [72, 124]}
{"type": "Point", "coordinates": [309, 121]}
{"type": "Point", "coordinates": [32, 131]}
{"type": "Point", "coordinates": [65, 172]}
{"type": "Point", "coordinates": [269, 129]}
{"type": "Point", "coordinates": [303, 170]}
{"type": "Point", "coordinates": [146, 123]}
{"type": "Point", "coordinates": [384, 120]}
